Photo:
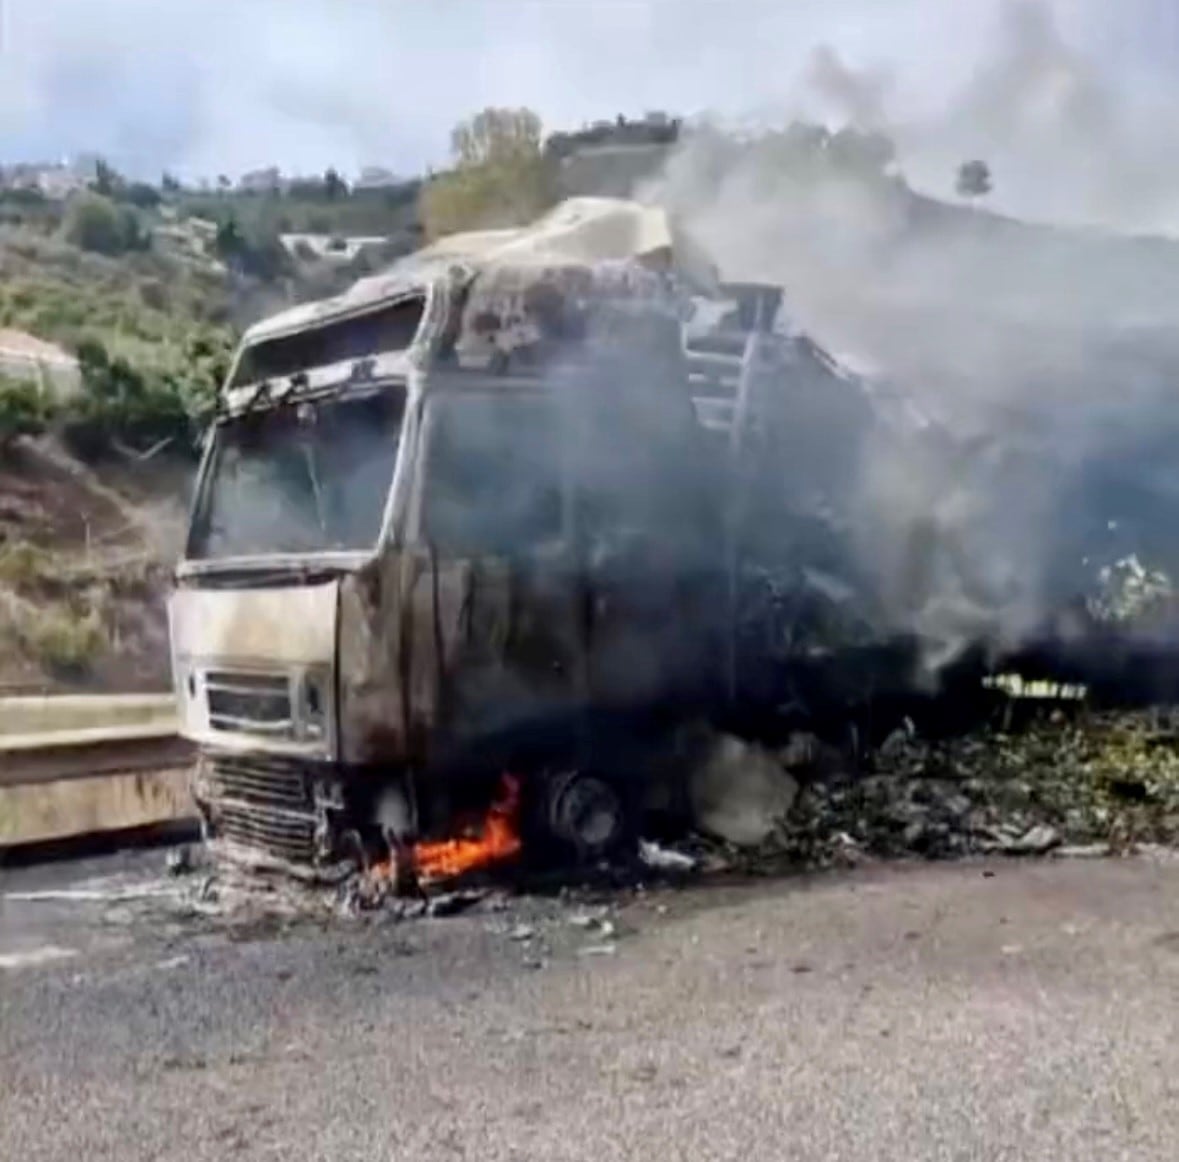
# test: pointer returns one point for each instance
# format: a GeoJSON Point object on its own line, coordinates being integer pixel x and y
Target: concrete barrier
{"type": "Point", "coordinates": [43, 812]}
{"type": "Point", "coordinates": [69, 784]}
{"type": "Point", "coordinates": [42, 715]}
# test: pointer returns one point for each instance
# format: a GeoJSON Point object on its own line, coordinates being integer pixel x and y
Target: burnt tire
{"type": "Point", "coordinates": [586, 816]}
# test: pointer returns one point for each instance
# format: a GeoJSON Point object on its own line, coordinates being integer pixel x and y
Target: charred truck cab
{"type": "Point", "coordinates": [454, 523]}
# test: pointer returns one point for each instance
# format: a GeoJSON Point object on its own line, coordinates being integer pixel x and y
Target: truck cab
{"type": "Point", "coordinates": [454, 523]}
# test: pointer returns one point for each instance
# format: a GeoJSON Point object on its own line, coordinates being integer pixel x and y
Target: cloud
{"type": "Point", "coordinates": [302, 80]}
{"type": "Point", "coordinates": [209, 86]}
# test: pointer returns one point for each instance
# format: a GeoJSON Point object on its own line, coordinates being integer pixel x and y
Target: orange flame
{"type": "Point", "coordinates": [496, 839]}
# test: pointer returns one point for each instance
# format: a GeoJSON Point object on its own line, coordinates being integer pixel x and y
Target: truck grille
{"type": "Point", "coordinates": [263, 804]}
{"type": "Point", "coordinates": [260, 781]}
{"type": "Point", "coordinates": [250, 703]}
{"type": "Point", "coordinates": [274, 833]}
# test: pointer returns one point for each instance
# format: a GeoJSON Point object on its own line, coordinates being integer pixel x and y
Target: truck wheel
{"type": "Point", "coordinates": [585, 813]}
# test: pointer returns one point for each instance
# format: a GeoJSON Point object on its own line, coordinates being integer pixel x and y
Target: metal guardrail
{"type": "Point", "coordinates": [85, 754]}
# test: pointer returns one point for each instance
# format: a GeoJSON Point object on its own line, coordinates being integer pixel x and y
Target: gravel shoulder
{"type": "Point", "coordinates": [997, 1010]}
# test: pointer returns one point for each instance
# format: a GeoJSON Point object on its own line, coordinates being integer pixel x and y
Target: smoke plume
{"type": "Point", "coordinates": [1046, 354]}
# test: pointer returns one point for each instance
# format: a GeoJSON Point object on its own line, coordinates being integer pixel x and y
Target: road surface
{"type": "Point", "coordinates": [973, 1011]}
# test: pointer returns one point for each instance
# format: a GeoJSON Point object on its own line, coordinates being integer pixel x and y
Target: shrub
{"type": "Point", "coordinates": [142, 195]}
{"type": "Point", "coordinates": [154, 294]}
{"type": "Point", "coordinates": [28, 196]}
{"type": "Point", "coordinates": [95, 223]}
{"type": "Point", "coordinates": [64, 642]}
{"type": "Point", "coordinates": [137, 407]}
{"type": "Point", "coordinates": [258, 253]}
{"type": "Point", "coordinates": [24, 410]}
{"type": "Point", "coordinates": [23, 565]}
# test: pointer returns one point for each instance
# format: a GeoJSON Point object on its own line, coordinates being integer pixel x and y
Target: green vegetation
{"type": "Point", "coordinates": [23, 409]}
{"type": "Point", "coordinates": [96, 223]}
{"type": "Point", "coordinates": [65, 642]}
{"type": "Point", "coordinates": [311, 206]}
{"type": "Point", "coordinates": [260, 255]}
{"type": "Point", "coordinates": [143, 305]}
{"type": "Point", "coordinates": [23, 565]}
{"type": "Point", "coordinates": [501, 175]}
{"type": "Point", "coordinates": [122, 404]}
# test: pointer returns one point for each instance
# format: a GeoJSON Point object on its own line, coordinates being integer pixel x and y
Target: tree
{"type": "Point", "coordinates": [261, 254]}
{"type": "Point", "coordinates": [229, 238]}
{"type": "Point", "coordinates": [23, 409]}
{"type": "Point", "coordinates": [334, 186]}
{"type": "Point", "coordinates": [501, 176]}
{"type": "Point", "coordinates": [169, 184]}
{"type": "Point", "coordinates": [123, 404]}
{"type": "Point", "coordinates": [107, 180]}
{"type": "Point", "coordinates": [974, 180]}
{"type": "Point", "coordinates": [140, 194]}
{"type": "Point", "coordinates": [496, 135]}
{"type": "Point", "coordinates": [95, 223]}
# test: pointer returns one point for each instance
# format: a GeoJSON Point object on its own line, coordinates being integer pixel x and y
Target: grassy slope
{"type": "Point", "coordinates": [83, 571]}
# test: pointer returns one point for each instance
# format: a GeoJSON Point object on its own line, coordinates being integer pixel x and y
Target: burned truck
{"type": "Point", "coordinates": [457, 523]}
{"type": "Point", "coordinates": [500, 521]}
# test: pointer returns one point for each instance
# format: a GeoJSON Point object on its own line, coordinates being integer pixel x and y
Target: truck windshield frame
{"type": "Point", "coordinates": [307, 478]}
{"type": "Point", "coordinates": [390, 327]}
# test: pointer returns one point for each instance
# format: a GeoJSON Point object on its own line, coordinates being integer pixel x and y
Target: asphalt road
{"type": "Point", "coordinates": [980, 1011]}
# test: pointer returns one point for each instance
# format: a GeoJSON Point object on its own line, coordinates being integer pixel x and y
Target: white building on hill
{"type": "Point", "coordinates": [24, 356]}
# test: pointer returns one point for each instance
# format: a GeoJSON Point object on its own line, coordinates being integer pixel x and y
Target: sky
{"type": "Point", "coordinates": [202, 87]}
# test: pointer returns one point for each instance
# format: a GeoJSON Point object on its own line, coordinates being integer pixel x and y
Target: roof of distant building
{"type": "Point", "coordinates": [25, 346]}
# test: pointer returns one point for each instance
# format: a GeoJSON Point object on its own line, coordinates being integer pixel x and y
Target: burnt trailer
{"type": "Point", "coordinates": [457, 522]}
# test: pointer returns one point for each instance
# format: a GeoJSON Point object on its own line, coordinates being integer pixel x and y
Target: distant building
{"type": "Point", "coordinates": [56, 180]}
{"type": "Point", "coordinates": [655, 128]}
{"type": "Point", "coordinates": [59, 182]}
{"type": "Point", "coordinates": [261, 181]}
{"type": "Point", "coordinates": [329, 247]}
{"type": "Point", "coordinates": [190, 238]}
{"type": "Point", "coordinates": [24, 356]}
{"type": "Point", "coordinates": [85, 166]}
{"type": "Point", "coordinates": [202, 227]}
{"type": "Point", "coordinates": [610, 171]}
{"type": "Point", "coordinates": [375, 177]}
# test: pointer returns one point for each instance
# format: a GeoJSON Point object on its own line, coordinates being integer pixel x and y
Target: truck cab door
{"type": "Point", "coordinates": [494, 601]}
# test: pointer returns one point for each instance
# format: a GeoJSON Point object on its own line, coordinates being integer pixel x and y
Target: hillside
{"type": "Point", "coordinates": [148, 271]}
{"type": "Point", "coordinates": [84, 566]}
{"type": "Point", "coordinates": [151, 287]}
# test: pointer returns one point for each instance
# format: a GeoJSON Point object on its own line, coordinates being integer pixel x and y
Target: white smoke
{"type": "Point", "coordinates": [1049, 353]}
{"type": "Point", "coordinates": [1065, 142]}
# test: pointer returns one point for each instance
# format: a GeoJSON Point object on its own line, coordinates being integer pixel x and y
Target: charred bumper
{"type": "Point", "coordinates": [267, 811]}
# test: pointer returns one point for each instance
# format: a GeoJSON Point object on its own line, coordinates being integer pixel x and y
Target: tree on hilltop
{"type": "Point", "coordinates": [974, 180]}
{"type": "Point", "coordinates": [500, 177]}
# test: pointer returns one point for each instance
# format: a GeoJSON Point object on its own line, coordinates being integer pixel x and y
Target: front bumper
{"type": "Point", "coordinates": [274, 813]}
